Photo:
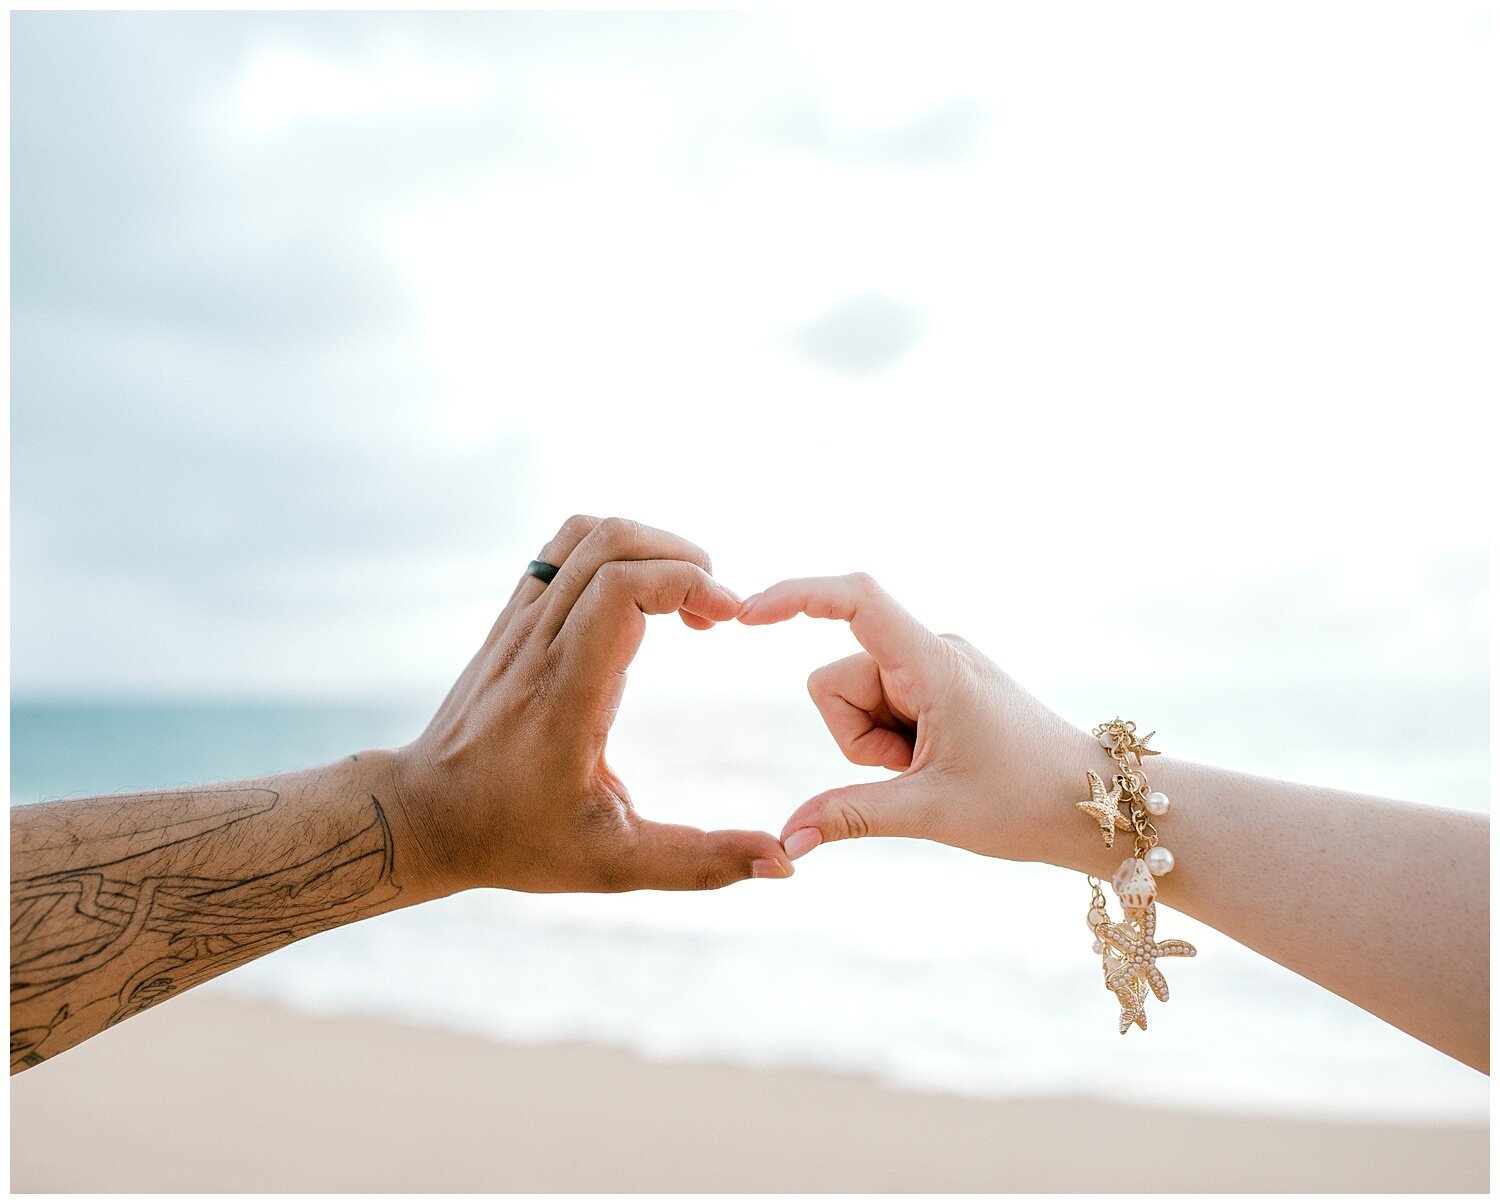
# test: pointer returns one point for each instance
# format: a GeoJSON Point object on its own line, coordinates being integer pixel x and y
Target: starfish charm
{"type": "Point", "coordinates": [1138, 747]}
{"type": "Point", "coordinates": [1118, 736]}
{"type": "Point", "coordinates": [1104, 806]}
{"type": "Point", "coordinates": [1139, 951]}
{"type": "Point", "coordinates": [1132, 997]}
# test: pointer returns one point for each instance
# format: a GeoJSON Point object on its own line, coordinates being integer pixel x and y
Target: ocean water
{"type": "Point", "coordinates": [917, 964]}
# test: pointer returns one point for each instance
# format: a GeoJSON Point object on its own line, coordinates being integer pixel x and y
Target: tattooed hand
{"type": "Point", "coordinates": [119, 903]}
{"type": "Point", "coordinates": [508, 786]}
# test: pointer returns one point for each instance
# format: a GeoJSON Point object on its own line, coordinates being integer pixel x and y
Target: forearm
{"type": "Point", "coordinates": [120, 902]}
{"type": "Point", "coordinates": [1382, 902]}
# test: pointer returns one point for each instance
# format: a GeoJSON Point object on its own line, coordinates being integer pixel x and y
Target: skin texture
{"type": "Point", "coordinates": [120, 902]}
{"type": "Point", "coordinates": [1382, 902]}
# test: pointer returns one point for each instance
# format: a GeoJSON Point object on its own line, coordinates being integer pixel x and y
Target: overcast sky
{"type": "Point", "coordinates": [1148, 341]}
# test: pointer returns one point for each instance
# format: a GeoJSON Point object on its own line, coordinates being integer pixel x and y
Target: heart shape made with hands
{"type": "Point", "coordinates": [513, 765]}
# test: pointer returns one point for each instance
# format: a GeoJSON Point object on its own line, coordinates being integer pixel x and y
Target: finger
{"type": "Point", "coordinates": [674, 857]}
{"type": "Point", "coordinates": [851, 699]}
{"type": "Point", "coordinates": [895, 807]}
{"type": "Point", "coordinates": [556, 552]}
{"type": "Point", "coordinates": [611, 540]}
{"type": "Point", "coordinates": [604, 631]}
{"type": "Point", "coordinates": [880, 623]}
{"type": "Point", "coordinates": [527, 590]}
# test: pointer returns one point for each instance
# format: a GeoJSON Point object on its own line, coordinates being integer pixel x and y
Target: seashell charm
{"type": "Point", "coordinates": [1134, 884]}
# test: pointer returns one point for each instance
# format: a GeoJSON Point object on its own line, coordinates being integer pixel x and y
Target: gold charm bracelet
{"type": "Point", "coordinates": [1129, 950]}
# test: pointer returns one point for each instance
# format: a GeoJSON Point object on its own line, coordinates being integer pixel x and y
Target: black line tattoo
{"type": "Point", "coordinates": [119, 922]}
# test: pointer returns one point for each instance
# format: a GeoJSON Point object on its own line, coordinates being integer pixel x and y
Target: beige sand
{"type": "Point", "coordinates": [210, 1094]}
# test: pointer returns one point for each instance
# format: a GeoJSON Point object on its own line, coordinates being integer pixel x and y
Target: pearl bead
{"type": "Point", "coordinates": [1098, 946]}
{"type": "Point", "coordinates": [1096, 917]}
{"type": "Point", "coordinates": [1157, 803]}
{"type": "Point", "coordinates": [1160, 860]}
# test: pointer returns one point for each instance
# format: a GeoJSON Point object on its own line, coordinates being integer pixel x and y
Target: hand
{"type": "Point", "coordinates": [508, 786]}
{"type": "Point", "coordinates": [982, 761]}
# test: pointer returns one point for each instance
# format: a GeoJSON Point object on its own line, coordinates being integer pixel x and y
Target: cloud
{"type": "Point", "coordinates": [862, 335]}
{"type": "Point", "coordinates": [946, 134]}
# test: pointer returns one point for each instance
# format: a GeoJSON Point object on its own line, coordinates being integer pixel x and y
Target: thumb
{"type": "Point", "coordinates": [894, 807]}
{"type": "Point", "coordinates": [676, 857]}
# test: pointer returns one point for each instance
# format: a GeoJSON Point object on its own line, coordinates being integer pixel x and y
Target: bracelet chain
{"type": "Point", "coordinates": [1129, 949]}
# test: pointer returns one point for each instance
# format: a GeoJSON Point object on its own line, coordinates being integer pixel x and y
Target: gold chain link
{"type": "Point", "coordinates": [1101, 905]}
{"type": "Point", "coordinates": [1121, 742]}
{"type": "Point", "coordinates": [1099, 901]}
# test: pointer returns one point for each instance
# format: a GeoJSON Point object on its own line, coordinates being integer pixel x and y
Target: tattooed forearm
{"type": "Point", "coordinates": [119, 903]}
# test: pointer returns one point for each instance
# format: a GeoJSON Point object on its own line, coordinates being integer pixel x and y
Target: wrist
{"type": "Point", "coordinates": [1066, 838]}
{"type": "Point", "coordinates": [423, 866]}
{"type": "Point", "coordinates": [1053, 833]}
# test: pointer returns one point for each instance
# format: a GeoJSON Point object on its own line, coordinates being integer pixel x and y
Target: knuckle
{"type": "Point", "coordinates": [865, 583]}
{"type": "Point", "coordinates": [615, 532]}
{"type": "Point", "coordinates": [689, 579]}
{"type": "Point", "coordinates": [612, 577]}
{"type": "Point", "coordinates": [669, 587]}
{"type": "Point", "coordinates": [853, 820]}
{"type": "Point", "coordinates": [577, 526]}
{"type": "Point", "coordinates": [569, 536]}
{"type": "Point", "coordinates": [843, 820]}
{"type": "Point", "coordinates": [957, 642]}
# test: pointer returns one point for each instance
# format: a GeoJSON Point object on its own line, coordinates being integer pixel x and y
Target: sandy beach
{"type": "Point", "coordinates": [211, 1094]}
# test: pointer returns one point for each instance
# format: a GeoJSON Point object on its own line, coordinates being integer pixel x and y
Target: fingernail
{"type": "Point", "coordinates": [802, 842]}
{"type": "Point", "coordinates": [749, 602]}
{"type": "Point", "coordinates": [768, 867]}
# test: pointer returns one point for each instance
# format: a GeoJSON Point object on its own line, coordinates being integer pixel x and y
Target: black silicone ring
{"type": "Point", "coordinates": [542, 571]}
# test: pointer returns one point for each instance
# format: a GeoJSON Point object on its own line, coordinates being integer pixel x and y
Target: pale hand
{"type": "Point", "coordinates": [976, 752]}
